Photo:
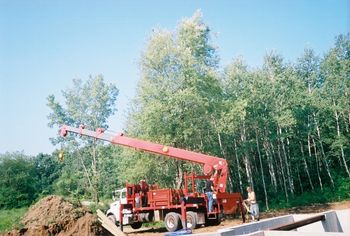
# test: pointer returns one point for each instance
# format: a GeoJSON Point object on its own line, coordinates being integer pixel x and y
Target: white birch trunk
{"type": "Point", "coordinates": [341, 146]}
{"type": "Point", "coordinates": [317, 164]}
{"type": "Point", "coordinates": [306, 167]}
{"type": "Point", "coordinates": [262, 171]}
{"type": "Point", "coordinates": [238, 167]}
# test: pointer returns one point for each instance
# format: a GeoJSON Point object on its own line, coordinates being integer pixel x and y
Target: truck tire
{"type": "Point", "coordinates": [191, 218]}
{"type": "Point", "coordinates": [136, 225]}
{"type": "Point", "coordinates": [112, 218]}
{"type": "Point", "coordinates": [172, 221]}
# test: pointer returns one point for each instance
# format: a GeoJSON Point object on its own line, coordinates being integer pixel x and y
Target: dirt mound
{"type": "Point", "coordinates": [53, 215]}
{"type": "Point", "coordinates": [85, 225]}
{"type": "Point", "coordinates": [51, 209]}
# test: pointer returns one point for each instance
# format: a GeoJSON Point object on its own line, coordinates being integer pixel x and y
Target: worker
{"type": "Point", "coordinates": [209, 189]}
{"type": "Point", "coordinates": [253, 205]}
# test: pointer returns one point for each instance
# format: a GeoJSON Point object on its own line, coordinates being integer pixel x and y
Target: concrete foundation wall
{"type": "Point", "coordinates": [257, 226]}
{"type": "Point", "coordinates": [297, 233]}
{"type": "Point", "coordinates": [344, 220]}
{"type": "Point", "coordinates": [336, 223]}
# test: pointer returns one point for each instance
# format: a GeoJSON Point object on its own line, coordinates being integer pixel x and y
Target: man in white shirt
{"type": "Point", "coordinates": [254, 208]}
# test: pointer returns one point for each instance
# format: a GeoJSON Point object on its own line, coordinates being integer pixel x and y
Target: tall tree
{"type": "Point", "coordinates": [178, 94]}
{"type": "Point", "coordinates": [336, 73]}
{"type": "Point", "coordinates": [90, 103]}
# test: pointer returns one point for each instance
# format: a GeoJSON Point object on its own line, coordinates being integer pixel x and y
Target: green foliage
{"type": "Point", "coordinates": [9, 219]}
{"type": "Point", "coordinates": [342, 192]}
{"type": "Point", "coordinates": [48, 170]}
{"type": "Point", "coordinates": [26, 178]}
{"type": "Point", "coordinates": [109, 158]}
{"type": "Point", "coordinates": [284, 127]}
{"type": "Point", "coordinates": [90, 103]}
{"type": "Point", "coordinates": [176, 100]}
{"type": "Point", "coordinates": [19, 180]}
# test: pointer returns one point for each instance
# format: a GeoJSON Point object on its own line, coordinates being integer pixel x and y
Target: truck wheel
{"type": "Point", "coordinates": [112, 218]}
{"type": "Point", "coordinates": [136, 225]}
{"type": "Point", "coordinates": [191, 218]}
{"type": "Point", "coordinates": [172, 221]}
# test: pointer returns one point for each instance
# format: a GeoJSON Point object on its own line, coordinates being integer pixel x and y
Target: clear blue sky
{"type": "Point", "coordinates": [45, 44]}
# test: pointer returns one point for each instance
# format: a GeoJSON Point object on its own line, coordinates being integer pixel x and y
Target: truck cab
{"type": "Point", "coordinates": [119, 198]}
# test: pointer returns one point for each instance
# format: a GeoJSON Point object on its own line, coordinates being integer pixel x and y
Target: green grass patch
{"type": "Point", "coordinates": [10, 219]}
{"type": "Point", "coordinates": [156, 224]}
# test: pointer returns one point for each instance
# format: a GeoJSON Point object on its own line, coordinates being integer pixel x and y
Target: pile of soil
{"type": "Point", "coordinates": [53, 215]}
{"type": "Point", "coordinates": [51, 209]}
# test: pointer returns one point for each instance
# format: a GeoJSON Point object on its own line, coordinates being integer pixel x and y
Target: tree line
{"type": "Point", "coordinates": [283, 127]}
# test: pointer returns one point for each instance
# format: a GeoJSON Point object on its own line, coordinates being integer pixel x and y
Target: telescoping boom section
{"type": "Point", "coordinates": [212, 166]}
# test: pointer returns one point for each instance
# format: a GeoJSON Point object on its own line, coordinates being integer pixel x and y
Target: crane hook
{"type": "Point", "coordinates": [61, 156]}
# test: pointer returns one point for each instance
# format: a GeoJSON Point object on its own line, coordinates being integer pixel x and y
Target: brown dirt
{"type": "Point", "coordinates": [53, 215]}
{"type": "Point", "coordinates": [51, 209]}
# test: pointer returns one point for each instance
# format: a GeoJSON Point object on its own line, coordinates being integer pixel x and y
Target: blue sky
{"type": "Point", "coordinates": [45, 44]}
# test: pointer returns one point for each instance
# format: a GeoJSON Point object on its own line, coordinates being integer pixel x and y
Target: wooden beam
{"type": "Point", "coordinates": [108, 224]}
{"type": "Point", "coordinates": [300, 223]}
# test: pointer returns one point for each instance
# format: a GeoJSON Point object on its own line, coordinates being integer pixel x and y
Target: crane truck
{"type": "Point", "coordinates": [178, 208]}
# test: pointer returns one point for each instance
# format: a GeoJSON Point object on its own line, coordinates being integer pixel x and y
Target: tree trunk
{"type": "Point", "coordinates": [317, 164]}
{"type": "Point", "coordinates": [341, 145]}
{"type": "Point", "coordinates": [271, 168]}
{"type": "Point", "coordinates": [300, 182]}
{"type": "Point", "coordinates": [346, 124]}
{"type": "Point", "coordinates": [348, 120]}
{"type": "Point", "coordinates": [180, 175]}
{"type": "Point", "coordinates": [85, 169]}
{"type": "Point", "coordinates": [305, 166]}
{"type": "Point", "coordinates": [248, 171]}
{"type": "Point", "coordinates": [322, 151]}
{"type": "Point", "coordinates": [262, 170]}
{"type": "Point", "coordinates": [95, 174]}
{"type": "Point", "coordinates": [282, 171]}
{"type": "Point", "coordinates": [238, 166]}
{"type": "Point", "coordinates": [275, 160]}
{"type": "Point", "coordinates": [246, 159]}
{"type": "Point", "coordinates": [271, 159]}
{"type": "Point", "coordinates": [289, 176]}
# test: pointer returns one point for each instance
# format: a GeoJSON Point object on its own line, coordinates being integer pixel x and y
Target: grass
{"type": "Point", "coordinates": [156, 224]}
{"type": "Point", "coordinates": [10, 219]}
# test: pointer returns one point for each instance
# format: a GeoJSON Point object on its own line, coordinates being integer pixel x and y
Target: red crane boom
{"type": "Point", "coordinates": [215, 166]}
